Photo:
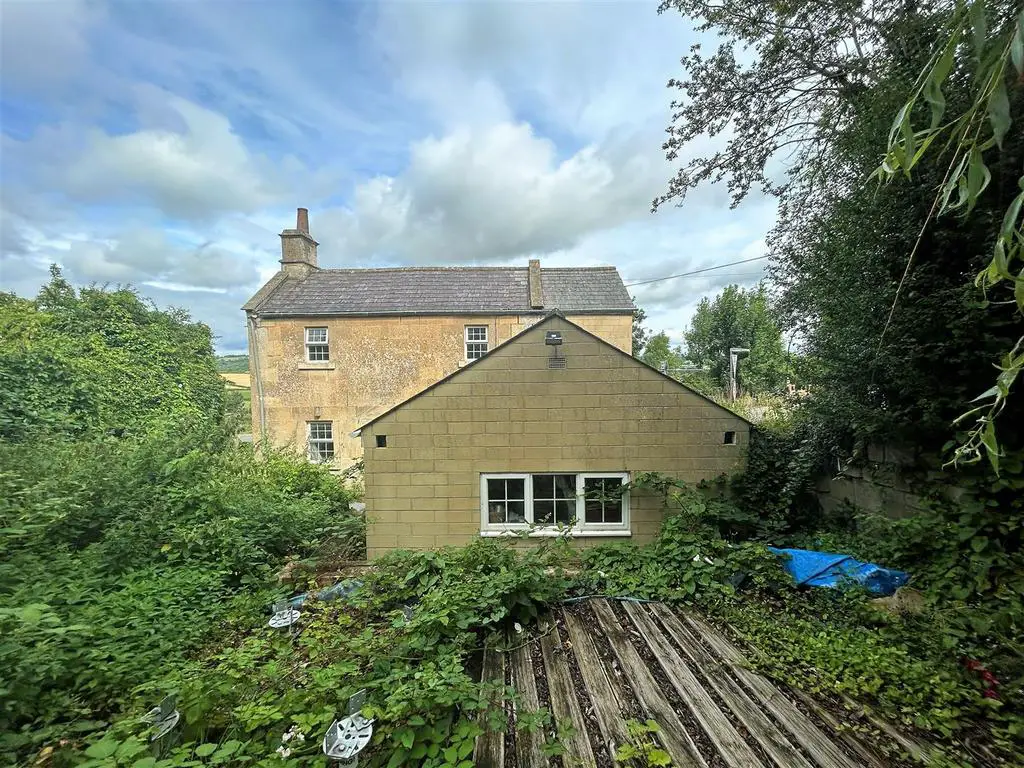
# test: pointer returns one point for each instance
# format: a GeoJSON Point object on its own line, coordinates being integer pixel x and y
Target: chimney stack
{"type": "Point", "coordinates": [298, 249]}
{"type": "Point", "coordinates": [536, 288]}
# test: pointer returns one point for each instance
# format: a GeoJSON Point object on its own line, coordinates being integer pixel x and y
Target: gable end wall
{"type": "Point", "coordinates": [509, 412]}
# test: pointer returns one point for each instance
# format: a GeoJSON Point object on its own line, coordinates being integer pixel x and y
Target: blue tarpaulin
{"type": "Point", "coordinates": [824, 569]}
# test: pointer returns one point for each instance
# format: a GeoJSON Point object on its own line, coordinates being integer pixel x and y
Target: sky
{"type": "Point", "coordinates": [164, 144]}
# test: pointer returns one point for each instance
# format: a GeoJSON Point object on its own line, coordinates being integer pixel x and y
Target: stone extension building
{"type": "Point", "coordinates": [543, 435]}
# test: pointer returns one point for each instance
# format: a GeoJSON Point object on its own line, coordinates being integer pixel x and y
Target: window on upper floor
{"type": "Point", "coordinates": [586, 502]}
{"type": "Point", "coordinates": [320, 441]}
{"type": "Point", "coordinates": [476, 341]}
{"type": "Point", "coordinates": [317, 348]}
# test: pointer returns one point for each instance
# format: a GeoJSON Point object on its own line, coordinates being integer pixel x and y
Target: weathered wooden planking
{"type": "Point", "coordinates": [771, 738]}
{"type": "Point", "coordinates": [734, 750]}
{"type": "Point", "coordinates": [564, 706]}
{"type": "Point", "coordinates": [673, 735]}
{"type": "Point", "coordinates": [528, 743]}
{"type": "Point", "coordinates": [863, 751]}
{"type": "Point", "coordinates": [489, 750]}
{"type": "Point", "coordinates": [605, 691]}
{"type": "Point", "coordinates": [822, 749]}
{"type": "Point", "coordinates": [918, 750]}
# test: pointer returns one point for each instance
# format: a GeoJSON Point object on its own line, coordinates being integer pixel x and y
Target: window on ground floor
{"type": "Point", "coordinates": [583, 501]}
{"type": "Point", "coordinates": [320, 440]}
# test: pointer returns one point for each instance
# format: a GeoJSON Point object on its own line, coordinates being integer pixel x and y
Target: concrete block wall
{"type": "Point", "coordinates": [510, 412]}
{"type": "Point", "coordinates": [376, 363]}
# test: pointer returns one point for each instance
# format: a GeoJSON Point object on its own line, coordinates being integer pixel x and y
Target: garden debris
{"type": "Point", "coordinates": [283, 616]}
{"type": "Point", "coordinates": [905, 601]}
{"type": "Point", "coordinates": [333, 592]}
{"type": "Point", "coordinates": [825, 569]}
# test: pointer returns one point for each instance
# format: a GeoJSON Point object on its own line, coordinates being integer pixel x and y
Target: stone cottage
{"type": "Point", "coordinates": [544, 431]}
{"type": "Point", "coordinates": [330, 349]}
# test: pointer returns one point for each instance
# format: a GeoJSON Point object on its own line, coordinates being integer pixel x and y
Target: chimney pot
{"type": "Point", "coordinates": [302, 220]}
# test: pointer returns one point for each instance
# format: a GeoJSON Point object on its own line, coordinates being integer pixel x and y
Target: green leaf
{"type": "Point", "coordinates": [903, 116]}
{"type": "Point", "coordinates": [1017, 45]}
{"type": "Point", "coordinates": [205, 750]}
{"type": "Point", "coordinates": [978, 178]}
{"type": "Point", "coordinates": [988, 439]}
{"type": "Point", "coordinates": [933, 85]}
{"type": "Point", "coordinates": [999, 112]}
{"type": "Point", "coordinates": [406, 737]}
{"type": "Point", "coordinates": [103, 748]}
{"type": "Point", "coordinates": [979, 27]}
{"type": "Point", "coordinates": [144, 762]}
{"type": "Point", "coordinates": [659, 757]}
{"type": "Point", "coordinates": [228, 748]}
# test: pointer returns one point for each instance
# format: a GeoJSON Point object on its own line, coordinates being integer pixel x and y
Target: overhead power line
{"type": "Point", "coordinates": [696, 271]}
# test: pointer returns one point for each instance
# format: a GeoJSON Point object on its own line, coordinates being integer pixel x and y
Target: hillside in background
{"type": "Point", "coordinates": [232, 363]}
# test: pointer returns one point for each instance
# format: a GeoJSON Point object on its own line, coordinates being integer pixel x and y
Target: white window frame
{"type": "Point", "coordinates": [324, 343]}
{"type": "Point", "coordinates": [581, 528]}
{"type": "Point", "coordinates": [316, 458]}
{"type": "Point", "coordinates": [466, 341]}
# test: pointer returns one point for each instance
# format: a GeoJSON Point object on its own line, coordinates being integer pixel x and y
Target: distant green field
{"type": "Point", "coordinates": [233, 363]}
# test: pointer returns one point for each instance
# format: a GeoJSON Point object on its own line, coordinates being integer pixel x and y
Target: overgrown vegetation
{"type": "Point", "coordinates": [408, 636]}
{"type": "Point", "coordinates": [140, 561]}
{"type": "Point", "coordinates": [917, 667]}
{"type": "Point", "coordinates": [896, 337]}
{"type": "Point", "coordinates": [139, 542]}
{"type": "Point", "coordinates": [133, 529]}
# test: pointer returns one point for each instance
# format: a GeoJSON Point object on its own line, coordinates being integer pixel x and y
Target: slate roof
{"type": "Point", "coordinates": [443, 290]}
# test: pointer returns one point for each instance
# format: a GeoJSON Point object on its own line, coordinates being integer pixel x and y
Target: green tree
{"type": "Point", "coordinates": [641, 334]}
{"type": "Point", "coordinates": [996, 56]}
{"type": "Point", "coordinates": [658, 353]}
{"type": "Point", "coordinates": [821, 82]}
{"type": "Point", "coordinates": [738, 318]}
{"type": "Point", "coordinates": [96, 359]}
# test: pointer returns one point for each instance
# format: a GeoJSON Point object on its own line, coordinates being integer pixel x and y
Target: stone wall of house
{"type": "Point", "coordinates": [511, 412]}
{"type": "Point", "coordinates": [376, 363]}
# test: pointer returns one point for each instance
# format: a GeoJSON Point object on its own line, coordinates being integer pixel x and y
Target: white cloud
{"type": "Point", "coordinates": [198, 171]}
{"type": "Point", "coordinates": [148, 256]}
{"type": "Point", "coordinates": [464, 132]}
{"type": "Point", "coordinates": [588, 68]}
{"type": "Point", "coordinates": [492, 194]}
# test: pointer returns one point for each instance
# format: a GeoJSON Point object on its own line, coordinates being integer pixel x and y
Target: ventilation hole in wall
{"type": "Point", "coordinates": [556, 362]}
{"type": "Point", "coordinates": [382, 441]}
{"type": "Point", "coordinates": [729, 438]}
